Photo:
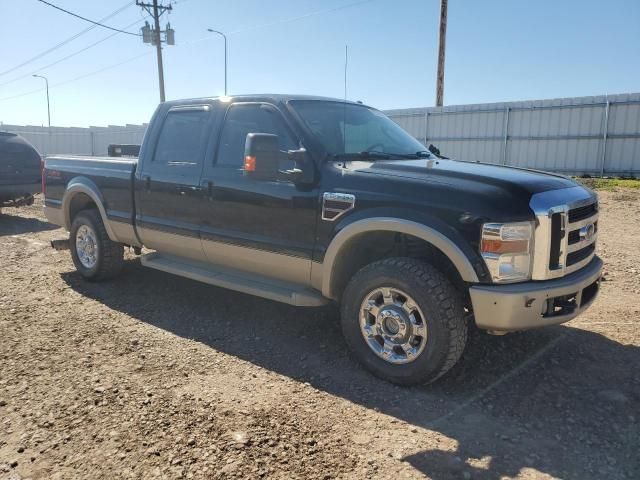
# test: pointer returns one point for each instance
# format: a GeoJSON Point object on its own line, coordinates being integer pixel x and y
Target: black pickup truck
{"type": "Point", "coordinates": [309, 200]}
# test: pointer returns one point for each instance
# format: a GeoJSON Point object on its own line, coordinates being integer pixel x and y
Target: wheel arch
{"type": "Point", "coordinates": [81, 193]}
{"type": "Point", "coordinates": [348, 237]}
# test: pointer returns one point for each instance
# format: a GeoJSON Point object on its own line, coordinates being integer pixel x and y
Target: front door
{"type": "Point", "coordinates": [168, 192]}
{"type": "Point", "coordinates": [263, 227]}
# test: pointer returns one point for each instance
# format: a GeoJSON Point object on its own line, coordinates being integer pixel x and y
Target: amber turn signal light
{"type": "Point", "coordinates": [502, 246]}
{"type": "Point", "coordinates": [249, 163]}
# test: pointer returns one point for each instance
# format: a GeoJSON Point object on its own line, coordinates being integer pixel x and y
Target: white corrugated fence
{"type": "Point", "coordinates": [578, 136]}
{"type": "Point", "coordinates": [77, 141]}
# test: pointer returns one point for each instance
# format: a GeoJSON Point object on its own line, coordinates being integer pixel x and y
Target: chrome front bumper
{"type": "Point", "coordinates": [522, 306]}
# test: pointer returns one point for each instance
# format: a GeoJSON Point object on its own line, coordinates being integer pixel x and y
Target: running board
{"type": "Point", "coordinates": [277, 290]}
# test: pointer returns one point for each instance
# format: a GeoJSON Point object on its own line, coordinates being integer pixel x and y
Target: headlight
{"type": "Point", "coordinates": [506, 250]}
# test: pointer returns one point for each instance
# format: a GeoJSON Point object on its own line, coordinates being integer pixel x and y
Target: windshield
{"type": "Point", "coordinates": [351, 129]}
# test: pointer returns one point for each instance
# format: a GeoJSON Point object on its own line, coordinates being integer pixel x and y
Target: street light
{"type": "Point", "coordinates": [48, 108]}
{"type": "Point", "coordinates": [225, 56]}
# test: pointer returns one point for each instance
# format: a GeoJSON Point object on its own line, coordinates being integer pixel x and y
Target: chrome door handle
{"type": "Point", "coordinates": [184, 189]}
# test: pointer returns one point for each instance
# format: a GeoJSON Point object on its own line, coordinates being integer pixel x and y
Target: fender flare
{"type": "Point", "coordinates": [437, 239]}
{"type": "Point", "coordinates": [89, 188]}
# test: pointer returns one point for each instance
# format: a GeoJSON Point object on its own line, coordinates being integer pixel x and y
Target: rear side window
{"type": "Point", "coordinates": [251, 118]}
{"type": "Point", "coordinates": [182, 138]}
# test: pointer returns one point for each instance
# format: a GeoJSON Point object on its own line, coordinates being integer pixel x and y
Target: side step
{"type": "Point", "coordinates": [277, 290]}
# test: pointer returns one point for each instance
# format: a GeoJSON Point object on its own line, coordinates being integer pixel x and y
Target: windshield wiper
{"type": "Point", "coordinates": [369, 155]}
{"type": "Point", "coordinates": [380, 155]}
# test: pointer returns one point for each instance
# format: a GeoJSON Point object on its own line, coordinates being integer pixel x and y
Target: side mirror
{"type": "Point", "coordinates": [263, 158]}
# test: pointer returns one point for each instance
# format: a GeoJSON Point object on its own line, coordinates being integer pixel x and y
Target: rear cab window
{"type": "Point", "coordinates": [182, 140]}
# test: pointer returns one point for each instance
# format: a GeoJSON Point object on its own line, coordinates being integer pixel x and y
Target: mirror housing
{"type": "Point", "coordinates": [262, 158]}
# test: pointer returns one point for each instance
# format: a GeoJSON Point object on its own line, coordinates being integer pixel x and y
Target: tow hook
{"type": "Point", "coordinates": [60, 244]}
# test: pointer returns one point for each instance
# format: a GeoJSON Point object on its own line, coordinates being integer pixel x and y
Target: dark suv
{"type": "Point", "coordinates": [20, 171]}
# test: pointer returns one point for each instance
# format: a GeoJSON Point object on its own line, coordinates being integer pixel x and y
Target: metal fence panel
{"type": "Point", "coordinates": [584, 135]}
{"type": "Point", "coordinates": [77, 141]}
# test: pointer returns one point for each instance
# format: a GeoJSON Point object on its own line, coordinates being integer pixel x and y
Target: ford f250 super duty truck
{"type": "Point", "coordinates": [309, 200]}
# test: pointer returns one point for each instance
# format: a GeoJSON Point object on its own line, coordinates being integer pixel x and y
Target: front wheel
{"type": "Point", "coordinates": [404, 321]}
{"type": "Point", "coordinates": [94, 254]}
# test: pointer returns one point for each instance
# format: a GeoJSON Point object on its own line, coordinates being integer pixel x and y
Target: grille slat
{"type": "Point", "coordinates": [580, 213]}
{"type": "Point", "coordinates": [579, 255]}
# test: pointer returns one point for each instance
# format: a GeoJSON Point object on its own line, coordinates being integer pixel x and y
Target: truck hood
{"type": "Point", "coordinates": [458, 173]}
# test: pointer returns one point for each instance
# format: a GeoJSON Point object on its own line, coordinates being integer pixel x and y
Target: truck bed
{"type": "Point", "coordinates": [110, 178]}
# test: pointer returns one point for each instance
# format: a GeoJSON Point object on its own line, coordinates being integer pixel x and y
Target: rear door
{"type": "Point", "coordinates": [168, 192]}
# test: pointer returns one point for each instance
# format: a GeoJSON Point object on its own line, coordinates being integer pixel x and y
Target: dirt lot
{"type": "Point", "coordinates": [155, 376]}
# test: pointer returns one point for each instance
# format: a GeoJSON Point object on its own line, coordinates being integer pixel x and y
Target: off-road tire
{"type": "Point", "coordinates": [110, 254]}
{"type": "Point", "coordinates": [436, 296]}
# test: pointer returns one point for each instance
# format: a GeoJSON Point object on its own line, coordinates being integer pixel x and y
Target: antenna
{"type": "Point", "coordinates": [346, 63]}
{"type": "Point", "coordinates": [344, 105]}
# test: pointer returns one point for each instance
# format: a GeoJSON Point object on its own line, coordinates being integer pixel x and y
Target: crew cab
{"type": "Point", "coordinates": [310, 200]}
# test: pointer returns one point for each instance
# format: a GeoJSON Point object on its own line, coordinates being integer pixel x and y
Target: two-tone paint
{"type": "Point", "coordinates": [219, 216]}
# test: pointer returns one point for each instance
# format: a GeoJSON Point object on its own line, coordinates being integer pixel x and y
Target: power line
{"type": "Point", "coordinates": [67, 57]}
{"type": "Point", "coordinates": [88, 20]}
{"type": "Point", "coordinates": [95, 72]}
{"type": "Point", "coordinates": [64, 42]}
{"type": "Point", "coordinates": [284, 20]}
{"type": "Point", "coordinates": [302, 17]}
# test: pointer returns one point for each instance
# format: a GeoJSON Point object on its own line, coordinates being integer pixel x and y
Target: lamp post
{"type": "Point", "coordinates": [225, 56]}
{"type": "Point", "coordinates": [48, 108]}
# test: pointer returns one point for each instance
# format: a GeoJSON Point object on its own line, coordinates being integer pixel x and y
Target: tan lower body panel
{"type": "Point", "coordinates": [260, 262]}
{"type": "Point", "coordinates": [124, 233]}
{"type": "Point", "coordinates": [172, 244]}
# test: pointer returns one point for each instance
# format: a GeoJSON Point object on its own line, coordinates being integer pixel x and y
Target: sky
{"type": "Point", "coordinates": [497, 50]}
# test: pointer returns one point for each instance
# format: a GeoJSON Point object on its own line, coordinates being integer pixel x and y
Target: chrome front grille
{"type": "Point", "coordinates": [566, 231]}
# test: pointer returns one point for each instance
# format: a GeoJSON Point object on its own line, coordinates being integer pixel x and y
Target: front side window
{"type": "Point", "coordinates": [250, 118]}
{"type": "Point", "coordinates": [182, 138]}
{"type": "Point", "coordinates": [345, 128]}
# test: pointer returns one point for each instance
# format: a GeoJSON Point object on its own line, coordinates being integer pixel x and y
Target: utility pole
{"type": "Point", "coordinates": [441, 53]}
{"type": "Point", "coordinates": [46, 81]}
{"type": "Point", "coordinates": [156, 19]}
{"type": "Point", "coordinates": [153, 36]}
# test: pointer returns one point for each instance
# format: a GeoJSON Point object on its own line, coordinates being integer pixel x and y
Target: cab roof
{"type": "Point", "coordinates": [259, 97]}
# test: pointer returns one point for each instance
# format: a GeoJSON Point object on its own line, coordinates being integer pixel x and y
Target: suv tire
{"type": "Point", "coordinates": [94, 254]}
{"type": "Point", "coordinates": [409, 298]}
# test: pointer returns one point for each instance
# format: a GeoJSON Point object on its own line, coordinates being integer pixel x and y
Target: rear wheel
{"type": "Point", "coordinates": [94, 254]}
{"type": "Point", "coordinates": [404, 321]}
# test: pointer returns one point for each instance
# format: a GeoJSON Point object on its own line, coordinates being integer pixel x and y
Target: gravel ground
{"type": "Point", "coordinates": [155, 376]}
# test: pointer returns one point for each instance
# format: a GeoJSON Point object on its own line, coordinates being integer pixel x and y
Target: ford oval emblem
{"type": "Point", "coordinates": [588, 231]}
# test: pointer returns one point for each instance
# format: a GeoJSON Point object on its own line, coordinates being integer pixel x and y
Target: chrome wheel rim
{"type": "Point", "coordinates": [87, 246]}
{"type": "Point", "coordinates": [393, 325]}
